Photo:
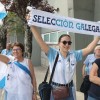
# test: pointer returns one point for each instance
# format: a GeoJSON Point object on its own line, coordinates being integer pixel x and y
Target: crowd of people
{"type": "Point", "coordinates": [88, 64]}
{"type": "Point", "coordinates": [21, 80]}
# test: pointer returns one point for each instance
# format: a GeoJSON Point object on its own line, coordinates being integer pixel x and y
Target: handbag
{"type": "Point", "coordinates": [60, 93]}
{"type": "Point", "coordinates": [45, 87]}
{"type": "Point", "coordinates": [85, 84]}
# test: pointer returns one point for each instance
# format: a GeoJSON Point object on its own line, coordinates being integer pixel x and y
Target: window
{"type": "Point", "coordinates": [52, 37]}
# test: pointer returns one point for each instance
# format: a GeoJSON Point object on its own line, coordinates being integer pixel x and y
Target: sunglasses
{"type": "Point", "coordinates": [67, 42]}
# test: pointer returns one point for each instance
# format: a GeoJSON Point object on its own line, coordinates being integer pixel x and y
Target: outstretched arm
{"type": "Point", "coordinates": [39, 39]}
{"type": "Point", "coordinates": [91, 46]}
{"type": "Point", "coordinates": [4, 58]}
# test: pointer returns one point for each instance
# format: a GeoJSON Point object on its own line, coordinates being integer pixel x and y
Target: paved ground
{"type": "Point", "coordinates": [40, 73]}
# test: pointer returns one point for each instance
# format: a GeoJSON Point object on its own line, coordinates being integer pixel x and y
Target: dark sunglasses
{"type": "Point", "coordinates": [65, 42]}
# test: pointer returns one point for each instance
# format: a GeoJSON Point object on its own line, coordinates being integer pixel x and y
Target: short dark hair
{"type": "Point", "coordinates": [19, 45]}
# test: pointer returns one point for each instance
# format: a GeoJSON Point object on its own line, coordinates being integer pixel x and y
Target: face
{"type": "Point", "coordinates": [8, 46]}
{"type": "Point", "coordinates": [65, 44]}
{"type": "Point", "coordinates": [17, 52]}
{"type": "Point", "coordinates": [97, 51]}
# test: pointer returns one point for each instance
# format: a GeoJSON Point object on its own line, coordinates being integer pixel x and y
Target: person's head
{"type": "Point", "coordinates": [8, 46]}
{"type": "Point", "coordinates": [64, 42]}
{"type": "Point", "coordinates": [97, 51]}
{"type": "Point", "coordinates": [18, 50]}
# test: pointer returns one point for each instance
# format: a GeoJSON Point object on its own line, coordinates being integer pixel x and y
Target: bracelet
{"type": "Point", "coordinates": [35, 92]}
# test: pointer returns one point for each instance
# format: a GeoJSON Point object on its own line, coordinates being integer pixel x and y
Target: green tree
{"type": "Point", "coordinates": [12, 25]}
{"type": "Point", "coordinates": [19, 7]}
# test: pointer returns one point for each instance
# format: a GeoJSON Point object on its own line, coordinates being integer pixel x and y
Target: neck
{"type": "Point", "coordinates": [20, 59]}
{"type": "Point", "coordinates": [64, 54]}
{"type": "Point", "coordinates": [97, 57]}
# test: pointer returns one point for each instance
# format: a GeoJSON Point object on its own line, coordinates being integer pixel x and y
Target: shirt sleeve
{"type": "Point", "coordinates": [3, 52]}
{"type": "Point", "coordinates": [51, 54]}
{"type": "Point", "coordinates": [78, 55]}
{"type": "Point", "coordinates": [11, 58]}
{"type": "Point", "coordinates": [86, 62]}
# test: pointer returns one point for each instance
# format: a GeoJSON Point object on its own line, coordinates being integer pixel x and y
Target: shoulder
{"type": "Point", "coordinates": [77, 54]}
{"type": "Point", "coordinates": [52, 52]}
{"type": "Point", "coordinates": [3, 50]}
{"type": "Point", "coordinates": [28, 61]}
{"type": "Point", "coordinates": [91, 55]}
{"type": "Point", "coordinates": [97, 61]}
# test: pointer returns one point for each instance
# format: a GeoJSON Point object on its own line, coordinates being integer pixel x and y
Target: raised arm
{"type": "Point", "coordinates": [39, 39]}
{"type": "Point", "coordinates": [4, 58]}
{"type": "Point", "coordinates": [91, 46]}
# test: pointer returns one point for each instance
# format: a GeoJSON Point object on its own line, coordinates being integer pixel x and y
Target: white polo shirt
{"type": "Point", "coordinates": [65, 67]}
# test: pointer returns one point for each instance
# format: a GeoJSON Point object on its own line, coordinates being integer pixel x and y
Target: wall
{"type": "Point", "coordinates": [97, 10]}
{"type": "Point", "coordinates": [83, 9]}
{"type": "Point", "coordinates": [36, 53]}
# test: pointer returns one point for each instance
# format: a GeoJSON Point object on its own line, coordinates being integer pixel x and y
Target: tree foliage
{"type": "Point", "coordinates": [19, 6]}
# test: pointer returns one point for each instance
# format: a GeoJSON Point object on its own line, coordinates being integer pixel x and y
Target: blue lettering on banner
{"type": "Point", "coordinates": [52, 21]}
{"type": "Point", "coordinates": [65, 23]}
{"type": "Point", "coordinates": [86, 27]}
{"type": "Point", "coordinates": [58, 22]}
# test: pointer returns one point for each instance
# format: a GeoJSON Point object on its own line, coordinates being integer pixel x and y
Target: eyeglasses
{"type": "Point", "coordinates": [16, 49]}
{"type": "Point", "coordinates": [65, 42]}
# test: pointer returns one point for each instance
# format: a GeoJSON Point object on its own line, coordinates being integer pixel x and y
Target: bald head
{"type": "Point", "coordinates": [97, 47]}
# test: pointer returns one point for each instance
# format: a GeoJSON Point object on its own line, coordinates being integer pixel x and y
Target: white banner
{"type": "Point", "coordinates": [54, 21]}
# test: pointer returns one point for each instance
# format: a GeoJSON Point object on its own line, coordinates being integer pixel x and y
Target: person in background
{"type": "Point", "coordinates": [94, 91]}
{"type": "Point", "coordinates": [21, 81]}
{"type": "Point", "coordinates": [88, 64]}
{"type": "Point", "coordinates": [8, 50]}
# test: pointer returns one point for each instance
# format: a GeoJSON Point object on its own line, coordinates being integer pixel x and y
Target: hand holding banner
{"type": "Point", "coordinates": [53, 21]}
